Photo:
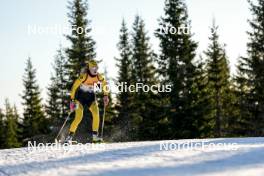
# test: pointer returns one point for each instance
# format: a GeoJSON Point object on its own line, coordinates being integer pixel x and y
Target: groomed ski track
{"type": "Point", "coordinates": [211, 157]}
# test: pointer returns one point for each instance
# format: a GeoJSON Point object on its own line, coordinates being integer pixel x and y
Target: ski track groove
{"type": "Point", "coordinates": [3, 172]}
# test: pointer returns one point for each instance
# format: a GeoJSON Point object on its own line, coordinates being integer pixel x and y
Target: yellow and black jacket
{"type": "Point", "coordinates": [88, 80]}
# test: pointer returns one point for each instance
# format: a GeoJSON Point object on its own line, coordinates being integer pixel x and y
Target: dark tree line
{"type": "Point", "coordinates": [204, 101]}
{"type": "Point", "coordinates": [9, 122]}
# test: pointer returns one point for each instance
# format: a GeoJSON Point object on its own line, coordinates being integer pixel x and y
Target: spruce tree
{"type": "Point", "coordinates": [243, 121]}
{"type": "Point", "coordinates": [56, 107]}
{"type": "Point", "coordinates": [143, 72]}
{"type": "Point", "coordinates": [2, 129]}
{"type": "Point", "coordinates": [218, 82]}
{"type": "Point", "coordinates": [34, 121]}
{"type": "Point", "coordinates": [251, 74]}
{"type": "Point", "coordinates": [82, 45]}
{"type": "Point", "coordinates": [11, 115]}
{"type": "Point", "coordinates": [124, 104]}
{"type": "Point", "coordinates": [203, 109]}
{"type": "Point", "coordinates": [176, 67]}
{"type": "Point", "coordinates": [19, 128]}
{"type": "Point", "coordinates": [52, 107]}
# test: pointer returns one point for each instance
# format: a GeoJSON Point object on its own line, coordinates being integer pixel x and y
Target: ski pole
{"type": "Point", "coordinates": [102, 130]}
{"type": "Point", "coordinates": [56, 139]}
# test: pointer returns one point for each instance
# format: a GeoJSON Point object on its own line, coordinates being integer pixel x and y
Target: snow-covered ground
{"type": "Point", "coordinates": [234, 156]}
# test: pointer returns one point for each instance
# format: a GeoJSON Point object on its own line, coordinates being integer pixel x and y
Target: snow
{"type": "Point", "coordinates": [222, 156]}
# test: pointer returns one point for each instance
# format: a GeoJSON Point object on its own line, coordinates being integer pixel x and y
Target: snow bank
{"type": "Point", "coordinates": [233, 156]}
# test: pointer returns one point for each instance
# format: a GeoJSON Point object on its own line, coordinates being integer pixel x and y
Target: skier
{"type": "Point", "coordinates": [83, 94]}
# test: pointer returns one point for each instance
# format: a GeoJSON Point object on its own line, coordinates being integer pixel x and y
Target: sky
{"type": "Point", "coordinates": [18, 41]}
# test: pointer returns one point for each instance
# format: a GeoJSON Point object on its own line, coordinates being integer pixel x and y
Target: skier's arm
{"type": "Point", "coordinates": [105, 87]}
{"type": "Point", "coordinates": [76, 85]}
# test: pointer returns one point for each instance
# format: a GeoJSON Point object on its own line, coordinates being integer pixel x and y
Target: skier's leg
{"type": "Point", "coordinates": [78, 117]}
{"type": "Point", "coordinates": [75, 123]}
{"type": "Point", "coordinates": [95, 114]}
{"type": "Point", "coordinates": [96, 121]}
